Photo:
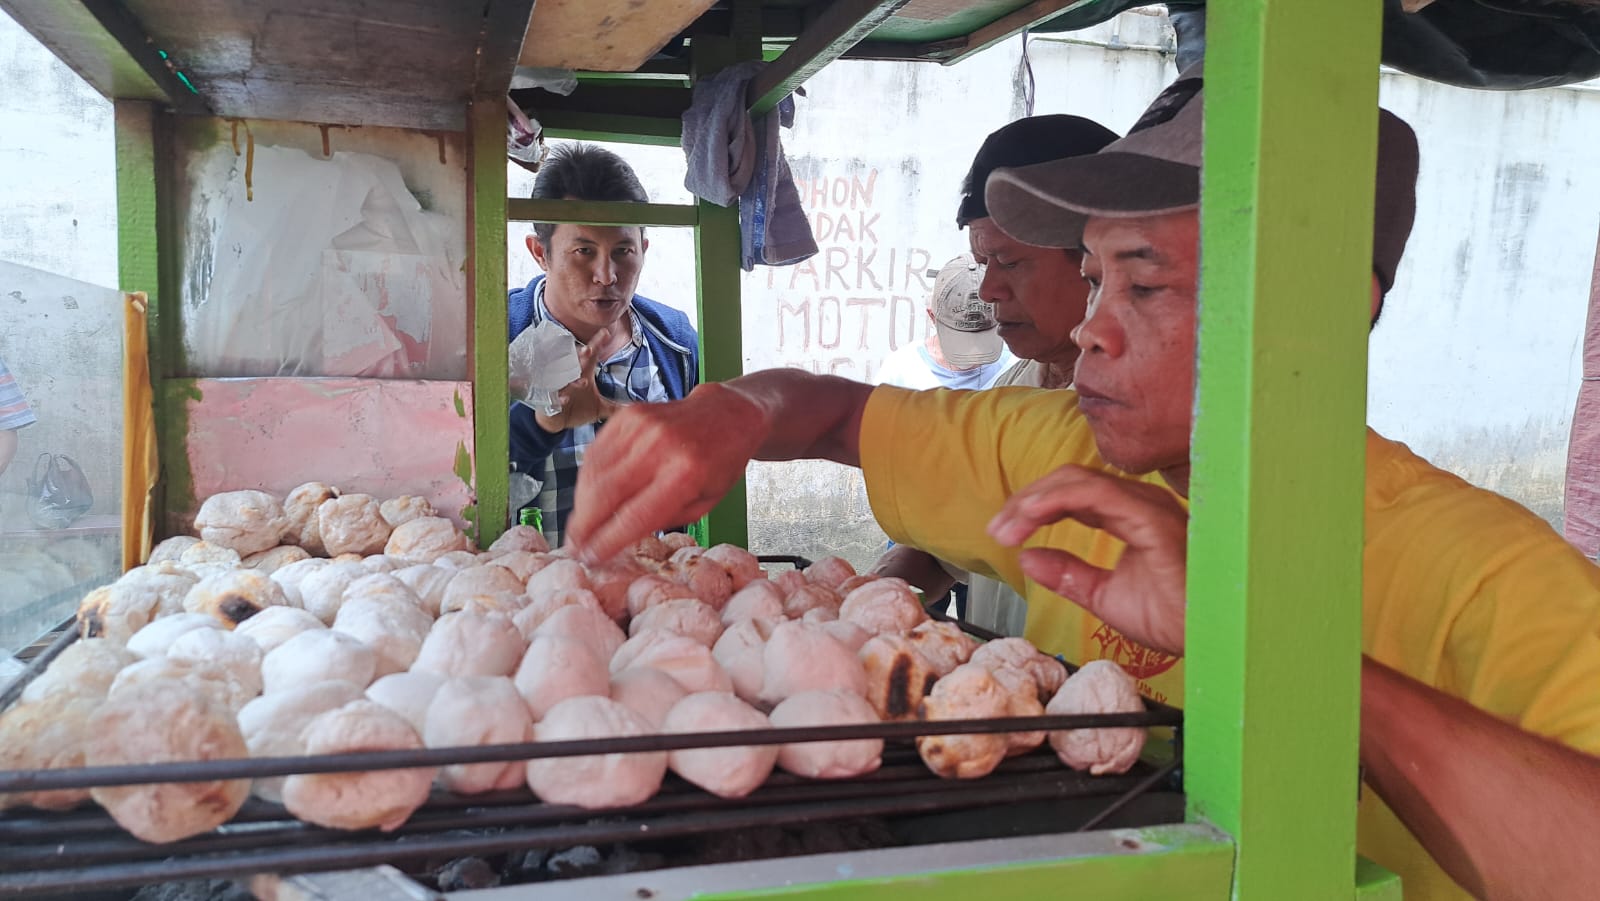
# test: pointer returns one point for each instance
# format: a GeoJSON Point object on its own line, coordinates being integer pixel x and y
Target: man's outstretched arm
{"type": "Point", "coordinates": [654, 465]}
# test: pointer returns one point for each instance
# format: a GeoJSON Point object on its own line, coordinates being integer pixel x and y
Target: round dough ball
{"type": "Point", "coordinates": [943, 644]}
{"type": "Point", "coordinates": [586, 624]}
{"type": "Point", "coordinates": [428, 583]}
{"type": "Point", "coordinates": [809, 597]}
{"type": "Point", "coordinates": [648, 692]}
{"type": "Point", "coordinates": [650, 548]}
{"type": "Point", "coordinates": [142, 594]}
{"type": "Point", "coordinates": [650, 589]}
{"type": "Point", "coordinates": [728, 772]}
{"type": "Point", "coordinates": [740, 652]}
{"type": "Point", "coordinates": [847, 633]}
{"type": "Point", "coordinates": [790, 581]}
{"type": "Point", "coordinates": [301, 509]}
{"type": "Point", "coordinates": [425, 540]}
{"type": "Point", "coordinates": [884, 606]}
{"type": "Point", "coordinates": [559, 575]}
{"type": "Point", "coordinates": [1100, 686]}
{"type": "Point", "coordinates": [234, 596]}
{"type": "Point", "coordinates": [478, 710]}
{"type": "Point", "coordinates": [322, 592]}
{"type": "Point", "coordinates": [804, 657]}
{"type": "Point", "coordinates": [820, 615]}
{"type": "Point", "coordinates": [318, 655]}
{"type": "Point", "coordinates": [381, 798]}
{"type": "Point", "coordinates": [273, 559]}
{"type": "Point", "coordinates": [690, 618]}
{"type": "Point", "coordinates": [472, 643]}
{"type": "Point", "coordinates": [479, 581]}
{"type": "Point", "coordinates": [456, 559]}
{"type": "Point", "coordinates": [684, 659]}
{"type": "Point", "coordinates": [171, 550]}
{"type": "Point", "coordinates": [86, 668]}
{"type": "Point", "coordinates": [540, 609]}
{"type": "Point", "coordinates": [522, 564]}
{"type": "Point", "coordinates": [291, 576]}
{"type": "Point", "coordinates": [272, 724]}
{"type": "Point", "coordinates": [238, 655]}
{"type": "Point", "coordinates": [398, 511]}
{"type": "Point", "coordinates": [224, 686]}
{"type": "Point", "coordinates": [596, 781]}
{"type": "Point", "coordinates": [709, 582]}
{"type": "Point", "coordinates": [393, 630]}
{"type": "Point", "coordinates": [610, 586]}
{"type": "Point", "coordinates": [520, 538]}
{"type": "Point", "coordinates": [276, 625]}
{"type": "Point", "coordinates": [245, 521]}
{"type": "Point", "coordinates": [352, 524]}
{"type": "Point", "coordinates": [741, 565]}
{"type": "Point", "coordinates": [1048, 672]}
{"type": "Point", "coordinates": [677, 541]}
{"type": "Point", "coordinates": [382, 563]}
{"type": "Point", "coordinates": [1022, 700]}
{"type": "Point", "coordinates": [970, 692]}
{"type": "Point", "coordinates": [166, 723]}
{"type": "Point", "coordinates": [557, 668]}
{"type": "Point", "coordinates": [407, 694]}
{"type": "Point", "coordinates": [387, 589]}
{"type": "Point", "coordinates": [686, 554]}
{"type": "Point", "coordinates": [898, 677]}
{"type": "Point", "coordinates": [829, 572]}
{"type": "Point", "coordinates": [827, 759]}
{"type": "Point", "coordinates": [154, 639]}
{"type": "Point", "coordinates": [205, 553]}
{"type": "Point", "coordinates": [47, 734]}
{"type": "Point", "coordinates": [761, 599]}
{"type": "Point", "coordinates": [854, 582]}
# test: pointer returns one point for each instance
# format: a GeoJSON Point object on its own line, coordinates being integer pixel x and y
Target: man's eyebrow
{"type": "Point", "coordinates": [1146, 253]}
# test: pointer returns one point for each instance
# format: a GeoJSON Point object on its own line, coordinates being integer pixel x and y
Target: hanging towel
{"type": "Point", "coordinates": [731, 158]}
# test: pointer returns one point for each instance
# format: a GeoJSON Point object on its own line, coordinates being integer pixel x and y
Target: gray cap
{"type": "Point", "coordinates": [1156, 170]}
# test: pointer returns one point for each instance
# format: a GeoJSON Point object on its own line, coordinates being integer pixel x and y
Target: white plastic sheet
{"type": "Point", "coordinates": [325, 267]}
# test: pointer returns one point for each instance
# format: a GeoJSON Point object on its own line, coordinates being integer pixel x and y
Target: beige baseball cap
{"type": "Point", "coordinates": [969, 334]}
{"type": "Point", "coordinates": [1156, 170]}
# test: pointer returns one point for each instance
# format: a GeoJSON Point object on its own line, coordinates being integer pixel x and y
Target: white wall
{"type": "Point", "coordinates": [1475, 363]}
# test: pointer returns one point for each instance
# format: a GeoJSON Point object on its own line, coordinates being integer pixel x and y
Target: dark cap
{"type": "Point", "coordinates": [1036, 139]}
{"type": "Point", "coordinates": [1156, 169]}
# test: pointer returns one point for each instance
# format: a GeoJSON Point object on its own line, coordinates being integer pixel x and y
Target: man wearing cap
{"type": "Point", "coordinates": [1480, 697]}
{"type": "Point", "coordinates": [963, 347]}
{"type": "Point", "coordinates": [1039, 297]}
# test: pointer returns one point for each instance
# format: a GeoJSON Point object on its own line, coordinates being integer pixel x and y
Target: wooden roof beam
{"type": "Point", "coordinates": [505, 24]}
{"type": "Point", "coordinates": [108, 48]}
{"type": "Point", "coordinates": [1014, 23]}
{"type": "Point", "coordinates": [836, 30]}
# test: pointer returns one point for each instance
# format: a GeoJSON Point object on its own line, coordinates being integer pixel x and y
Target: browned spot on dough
{"type": "Point", "coordinates": [237, 608]}
{"type": "Point", "coordinates": [900, 701]}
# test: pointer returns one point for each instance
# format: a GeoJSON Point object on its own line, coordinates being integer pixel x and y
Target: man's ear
{"type": "Point", "coordinates": [644, 244]}
{"type": "Point", "coordinates": [537, 249]}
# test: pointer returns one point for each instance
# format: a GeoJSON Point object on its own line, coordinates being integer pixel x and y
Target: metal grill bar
{"type": "Point", "coordinates": [254, 768]}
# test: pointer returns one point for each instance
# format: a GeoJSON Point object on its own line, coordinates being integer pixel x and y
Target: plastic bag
{"type": "Point", "coordinates": [58, 492]}
{"type": "Point", "coordinates": [543, 360]}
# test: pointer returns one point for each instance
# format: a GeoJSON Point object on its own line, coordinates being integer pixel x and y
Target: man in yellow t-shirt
{"type": "Point", "coordinates": [1480, 696]}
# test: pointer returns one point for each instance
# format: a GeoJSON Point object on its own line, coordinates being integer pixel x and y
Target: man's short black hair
{"type": "Point", "coordinates": [583, 172]}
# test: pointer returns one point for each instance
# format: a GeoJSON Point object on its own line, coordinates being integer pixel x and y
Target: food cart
{"type": "Point", "coordinates": [1268, 746]}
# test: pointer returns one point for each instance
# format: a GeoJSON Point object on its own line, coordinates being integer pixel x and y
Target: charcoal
{"type": "Point", "coordinates": [467, 873]}
{"type": "Point", "coordinates": [194, 890]}
{"type": "Point", "coordinates": [624, 859]}
{"type": "Point", "coordinates": [526, 866]}
{"type": "Point", "coordinates": [584, 860]}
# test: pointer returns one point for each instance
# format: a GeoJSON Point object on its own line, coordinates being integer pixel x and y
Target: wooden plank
{"type": "Point", "coordinates": [603, 212]}
{"type": "Point", "coordinates": [505, 24]}
{"type": "Point", "coordinates": [182, 94]}
{"type": "Point", "coordinates": [604, 35]}
{"type": "Point", "coordinates": [835, 31]}
{"type": "Point", "coordinates": [1274, 588]}
{"type": "Point", "coordinates": [486, 218]}
{"type": "Point", "coordinates": [1011, 24]}
{"type": "Point", "coordinates": [82, 41]}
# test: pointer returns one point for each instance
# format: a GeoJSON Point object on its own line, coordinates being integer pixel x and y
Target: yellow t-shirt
{"type": "Point", "coordinates": [1462, 589]}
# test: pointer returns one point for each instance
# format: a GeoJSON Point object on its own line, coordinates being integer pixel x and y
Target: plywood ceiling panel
{"type": "Point", "coordinates": [604, 35]}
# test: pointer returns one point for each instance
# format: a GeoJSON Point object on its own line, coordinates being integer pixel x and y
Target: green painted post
{"type": "Point", "coordinates": [717, 285]}
{"type": "Point", "coordinates": [1275, 539]}
{"type": "Point", "coordinates": [491, 427]}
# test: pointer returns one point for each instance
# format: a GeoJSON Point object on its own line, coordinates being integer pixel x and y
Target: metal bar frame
{"type": "Point", "coordinates": [1275, 595]}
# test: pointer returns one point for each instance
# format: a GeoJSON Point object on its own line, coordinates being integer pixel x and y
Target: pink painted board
{"type": "Point", "coordinates": [373, 436]}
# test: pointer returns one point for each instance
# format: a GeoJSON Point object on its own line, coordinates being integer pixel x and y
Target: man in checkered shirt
{"type": "Point", "coordinates": [14, 414]}
{"type": "Point", "coordinates": [633, 349]}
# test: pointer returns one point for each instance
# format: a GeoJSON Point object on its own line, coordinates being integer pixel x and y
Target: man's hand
{"type": "Point", "coordinates": [658, 465]}
{"type": "Point", "coordinates": [1144, 596]}
{"type": "Point", "coordinates": [581, 400]}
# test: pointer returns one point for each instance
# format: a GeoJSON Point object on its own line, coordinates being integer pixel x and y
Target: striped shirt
{"type": "Point", "coordinates": [14, 410]}
{"type": "Point", "coordinates": [629, 376]}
